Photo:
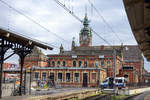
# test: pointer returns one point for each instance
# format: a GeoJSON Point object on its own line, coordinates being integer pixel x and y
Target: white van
{"type": "Point", "coordinates": [109, 82]}
{"type": "Point", "coordinates": [120, 82]}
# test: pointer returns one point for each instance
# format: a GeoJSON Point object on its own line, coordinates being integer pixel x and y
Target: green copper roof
{"type": "Point", "coordinates": [86, 29]}
{"type": "Point", "coordinates": [61, 47]}
{"type": "Point", "coordinates": [86, 21]}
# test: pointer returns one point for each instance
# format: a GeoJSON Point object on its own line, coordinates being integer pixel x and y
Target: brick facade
{"type": "Point", "coordinates": [87, 59]}
{"type": "Point", "coordinates": [36, 58]}
{"type": "Point", "coordinates": [92, 76]}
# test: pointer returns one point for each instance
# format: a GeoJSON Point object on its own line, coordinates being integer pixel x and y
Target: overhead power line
{"type": "Point", "coordinates": [76, 17]}
{"type": "Point", "coordinates": [35, 22]}
{"type": "Point", "coordinates": [101, 37]}
{"type": "Point", "coordinates": [109, 26]}
{"type": "Point", "coordinates": [68, 10]}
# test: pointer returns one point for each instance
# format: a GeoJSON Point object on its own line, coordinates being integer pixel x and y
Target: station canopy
{"type": "Point", "coordinates": [138, 12]}
{"type": "Point", "coordinates": [22, 39]}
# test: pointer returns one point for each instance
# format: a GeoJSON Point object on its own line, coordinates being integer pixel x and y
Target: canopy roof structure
{"type": "Point", "coordinates": [22, 46]}
{"type": "Point", "coordinates": [138, 12]}
{"type": "Point", "coordinates": [22, 39]}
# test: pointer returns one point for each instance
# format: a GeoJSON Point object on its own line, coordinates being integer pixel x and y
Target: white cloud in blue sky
{"type": "Point", "coordinates": [56, 19]}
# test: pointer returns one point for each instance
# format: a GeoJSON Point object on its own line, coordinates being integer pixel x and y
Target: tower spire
{"type": "Point", "coordinates": [73, 43]}
{"type": "Point", "coordinates": [85, 33]}
{"type": "Point", "coordinates": [61, 49]}
{"type": "Point", "coordinates": [86, 21]}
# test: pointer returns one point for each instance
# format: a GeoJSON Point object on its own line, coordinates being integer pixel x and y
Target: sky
{"type": "Point", "coordinates": [59, 22]}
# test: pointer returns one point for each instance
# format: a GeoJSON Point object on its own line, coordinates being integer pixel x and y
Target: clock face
{"type": "Point", "coordinates": [84, 37]}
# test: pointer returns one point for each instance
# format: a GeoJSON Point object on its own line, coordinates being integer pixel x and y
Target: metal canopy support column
{"type": "Point", "coordinates": [25, 73]}
{"type": "Point", "coordinates": [22, 53]}
{"type": "Point", "coordinates": [4, 46]}
{"type": "Point", "coordinates": [98, 76]}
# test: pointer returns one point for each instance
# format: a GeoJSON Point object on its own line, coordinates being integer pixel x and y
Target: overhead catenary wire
{"type": "Point", "coordinates": [35, 22]}
{"type": "Point", "coordinates": [68, 10]}
{"type": "Point", "coordinates": [104, 20]}
{"type": "Point", "coordinates": [76, 17]}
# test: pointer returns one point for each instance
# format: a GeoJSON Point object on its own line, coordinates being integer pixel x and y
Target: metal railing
{"type": "Point", "coordinates": [138, 85]}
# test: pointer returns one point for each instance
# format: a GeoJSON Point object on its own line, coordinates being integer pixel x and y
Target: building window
{"type": "Point", "coordinates": [80, 63]}
{"type": "Point", "coordinates": [94, 77]}
{"type": "Point", "coordinates": [53, 63]}
{"type": "Point", "coordinates": [76, 77]}
{"type": "Point", "coordinates": [85, 64]}
{"type": "Point", "coordinates": [59, 77]}
{"type": "Point", "coordinates": [74, 63]}
{"type": "Point", "coordinates": [126, 77]}
{"type": "Point", "coordinates": [51, 79]}
{"type": "Point", "coordinates": [108, 63]}
{"type": "Point", "coordinates": [96, 64]}
{"type": "Point", "coordinates": [102, 63]}
{"type": "Point", "coordinates": [36, 75]}
{"type": "Point", "coordinates": [51, 76]}
{"type": "Point", "coordinates": [58, 63]}
{"type": "Point", "coordinates": [64, 63]}
{"type": "Point", "coordinates": [44, 76]}
{"type": "Point", "coordinates": [67, 77]}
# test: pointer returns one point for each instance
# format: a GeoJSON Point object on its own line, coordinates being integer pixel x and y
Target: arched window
{"type": "Point", "coordinates": [58, 63]}
{"type": "Point", "coordinates": [53, 63]}
{"type": "Point", "coordinates": [96, 63]}
{"type": "Point", "coordinates": [74, 63]}
{"type": "Point", "coordinates": [64, 63]}
{"type": "Point", "coordinates": [108, 63]}
{"type": "Point", "coordinates": [80, 63]}
{"type": "Point", "coordinates": [102, 63]}
{"type": "Point", "coordinates": [85, 64]}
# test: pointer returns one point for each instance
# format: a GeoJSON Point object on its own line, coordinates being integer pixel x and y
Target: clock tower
{"type": "Point", "coordinates": [85, 34]}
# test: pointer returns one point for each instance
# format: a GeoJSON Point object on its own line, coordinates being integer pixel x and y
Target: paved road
{"type": "Point", "coordinates": [143, 96]}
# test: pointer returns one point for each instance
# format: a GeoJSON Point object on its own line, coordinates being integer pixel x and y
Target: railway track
{"type": "Point", "coordinates": [99, 97]}
{"type": "Point", "coordinates": [132, 97]}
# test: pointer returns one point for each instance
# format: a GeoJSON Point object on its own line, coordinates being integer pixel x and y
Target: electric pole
{"type": "Point", "coordinates": [114, 69]}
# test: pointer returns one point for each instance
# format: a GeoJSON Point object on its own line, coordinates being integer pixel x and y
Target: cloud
{"type": "Point", "coordinates": [58, 21]}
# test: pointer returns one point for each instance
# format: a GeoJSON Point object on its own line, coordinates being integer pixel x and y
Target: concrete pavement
{"type": "Point", "coordinates": [143, 96]}
{"type": "Point", "coordinates": [49, 93]}
{"type": "Point", "coordinates": [15, 98]}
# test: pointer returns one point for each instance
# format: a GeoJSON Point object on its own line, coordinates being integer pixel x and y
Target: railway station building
{"type": "Point", "coordinates": [86, 65]}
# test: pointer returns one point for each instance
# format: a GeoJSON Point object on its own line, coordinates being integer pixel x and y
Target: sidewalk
{"type": "Point", "coordinates": [16, 97]}
{"type": "Point", "coordinates": [56, 93]}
